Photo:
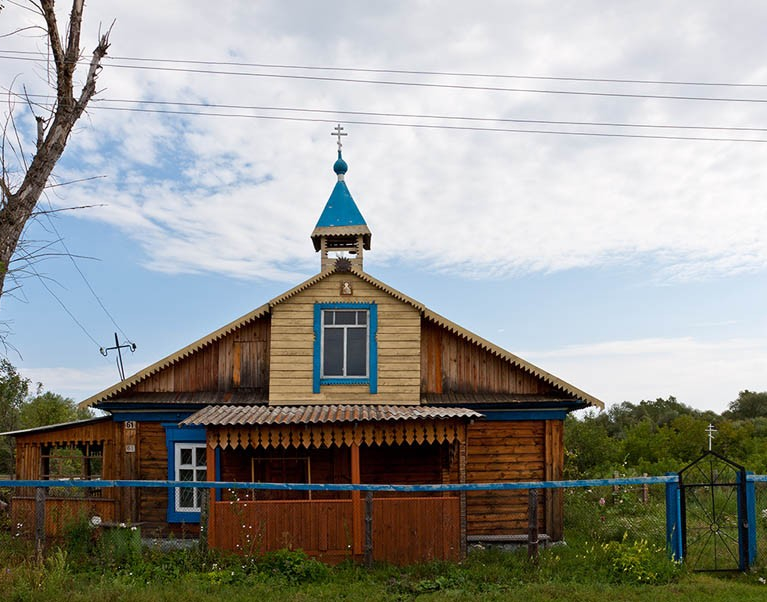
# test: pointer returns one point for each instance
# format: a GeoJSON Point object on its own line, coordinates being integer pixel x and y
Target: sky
{"type": "Point", "coordinates": [625, 260]}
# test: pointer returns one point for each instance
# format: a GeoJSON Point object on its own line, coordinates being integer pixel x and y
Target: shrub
{"type": "Point", "coordinates": [639, 562]}
{"type": "Point", "coordinates": [294, 566]}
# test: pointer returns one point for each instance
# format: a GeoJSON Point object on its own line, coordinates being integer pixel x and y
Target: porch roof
{"type": "Point", "coordinates": [259, 415]}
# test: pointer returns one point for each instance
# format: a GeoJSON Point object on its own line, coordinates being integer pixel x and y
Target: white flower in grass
{"type": "Point", "coordinates": [95, 521]}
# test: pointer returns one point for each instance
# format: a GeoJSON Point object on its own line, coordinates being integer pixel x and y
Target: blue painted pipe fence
{"type": "Point", "coordinates": [671, 481]}
{"type": "Point", "coordinates": [344, 486]}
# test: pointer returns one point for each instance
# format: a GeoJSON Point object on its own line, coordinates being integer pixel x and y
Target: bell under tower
{"type": "Point", "coordinates": [341, 231]}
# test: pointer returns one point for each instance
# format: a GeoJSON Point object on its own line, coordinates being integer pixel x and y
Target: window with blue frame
{"type": "Point", "coordinates": [345, 349]}
{"type": "Point", "coordinates": [187, 461]}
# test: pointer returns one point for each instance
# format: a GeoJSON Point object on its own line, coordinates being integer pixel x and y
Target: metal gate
{"type": "Point", "coordinates": [713, 514]}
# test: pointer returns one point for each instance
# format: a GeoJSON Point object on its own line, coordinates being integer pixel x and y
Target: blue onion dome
{"type": "Point", "coordinates": [340, 166]}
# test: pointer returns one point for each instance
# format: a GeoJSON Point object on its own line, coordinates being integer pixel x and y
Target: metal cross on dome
{"type": "Point", "coordinates": [339, 131]}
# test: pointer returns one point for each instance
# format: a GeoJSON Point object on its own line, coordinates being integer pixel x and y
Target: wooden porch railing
{"type": "Point", "coordinates": [59, 513]}
{"type": "Point", "coordinates": [322, 528]}
{"type": "Point", "coordinates": [407, 530]}
{"type": "Point", "coordinates": [404, 529]}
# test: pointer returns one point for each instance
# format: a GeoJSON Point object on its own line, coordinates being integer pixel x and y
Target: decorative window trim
{"type": "Point", "coordinates": [175, 435]}
{"type": "Point", "coordinates": [372, 379]}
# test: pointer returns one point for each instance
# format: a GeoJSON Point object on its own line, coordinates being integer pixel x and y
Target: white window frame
{"type": "Point", "coordinates": [345, 327]}
{"type": "Point", "coordinates": [194, 467]}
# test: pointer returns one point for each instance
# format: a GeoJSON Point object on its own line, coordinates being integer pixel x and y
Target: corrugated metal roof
{"type": "Point", "coordinates": [54, 427]}
{"type": "Point", "coordinates": [317, 414]}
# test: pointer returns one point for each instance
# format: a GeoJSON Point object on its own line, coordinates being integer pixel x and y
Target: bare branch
{"type": "Point", "coordinates": [52, 135]}
{"type": "Point", "coordinates": [49, 13]}
{"type": "Point", "coordinates": [20, 30]}
{"type": "Point", "coordinates": [49, 211]}
{"type": "Point", "coordinates": [89, 89]}
{"type": "Point", "coordinates": [59, 184]}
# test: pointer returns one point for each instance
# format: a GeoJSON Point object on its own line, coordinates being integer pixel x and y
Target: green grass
{"type": "Point", "coordinates": [615, 571]}
{"type": "Point", "coordinates": [614, 552]}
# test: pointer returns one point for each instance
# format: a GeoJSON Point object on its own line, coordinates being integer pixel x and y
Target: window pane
{"type": "Point", "coordinates": [186, 455]}
{"type": "Point", "coordinates": [201, 475]}
{"type": "Point", "coordinates": [327, 317]}
{"type": "Point", "coordinates": [333, 352]}
{"type": "Point", "coordinates": [362, 317]}
{"type": "Point", "coordinates": [201, 456]}
{"type": "Point", "coordinates": [346, 317]}
{"type": "Point", "coordinates": [185, 475]}
{"type": "Point", "coordinates": [186, 498]}
{"type": "Point", "coordinates": [356, 349]}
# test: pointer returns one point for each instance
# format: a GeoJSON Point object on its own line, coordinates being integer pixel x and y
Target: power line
{"type": "Point", "coordinates": [430, 116]}
{"type": "Point", "coordinates": [467, 87]}
{"type": "Point", "coordinates": [96, 105]}
{"type": "Point", "coordinates": [434, 126]}
{"type": "Point", "coordinates": [64, 307]}
{"type": "Point", "coordinates": [82, 275]}
{"type": "Point", "coordinates": [419, 72]}
{"type": "Point", "coordinates": [406, 115]}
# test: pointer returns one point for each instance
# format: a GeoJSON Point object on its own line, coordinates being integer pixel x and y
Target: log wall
{"type": "Point", "coordinates": [513, 451]}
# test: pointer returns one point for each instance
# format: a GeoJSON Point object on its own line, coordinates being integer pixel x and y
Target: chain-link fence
{"type": "Point", "coordinates": [600, 514]}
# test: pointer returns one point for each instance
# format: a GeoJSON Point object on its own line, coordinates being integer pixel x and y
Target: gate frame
{"type": "Point", "coordinates": [744, 526]}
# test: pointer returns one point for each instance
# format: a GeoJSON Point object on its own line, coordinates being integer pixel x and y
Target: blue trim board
{"type": "Point", "coordinates": [372, 380]}
{"type": "Point", "coordinates": [493, 415]}
{"type": "Point", "coordinates": [164, 416]}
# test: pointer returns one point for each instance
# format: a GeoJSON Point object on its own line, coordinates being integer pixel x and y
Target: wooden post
{"type": "Point", "coordinates": [204, 518]}
{"type": "Point", "coordinates": [645, 490]}
{"type": "Point", "coordinates": [356, 501]}
{"type": "Point", "coordinates": [369, 529]}
{"type": "Point", "coordinates": [40, 494]}
{"type": "Point", "coordinates": [207, 528]}
{"type": "Point", "coordinates": [462, 452]}
{"type": "Point", "coordinates": [532, 525]}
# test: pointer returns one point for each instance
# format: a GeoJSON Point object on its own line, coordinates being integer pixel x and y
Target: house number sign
{"type": "Point", "coordinates": [130, 436]}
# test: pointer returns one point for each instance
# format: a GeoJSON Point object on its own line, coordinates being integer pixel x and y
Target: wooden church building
{"type": "Point", "coordinates": [342, 380]}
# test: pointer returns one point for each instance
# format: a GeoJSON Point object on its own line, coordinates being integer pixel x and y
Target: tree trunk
{"type": "Point", "coordinates": [18, 206]}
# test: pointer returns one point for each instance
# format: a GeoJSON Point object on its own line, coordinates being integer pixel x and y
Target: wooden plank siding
{"type": "Point", "coordinates": [292, 349]}
{"type": "Point", "coordinates": [501, 451]}
{"type": "Point", "coordinates": [451, 364]}
{"type": "Point", "coordinates": [239, 360]}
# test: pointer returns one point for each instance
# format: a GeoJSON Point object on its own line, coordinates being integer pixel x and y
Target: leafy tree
{"type": "Point", "coordinates": [589, 448]}
{"type": "Point", "coordinates": [50, 408]}
{"type": "Point", "coordinates": [749, 404]}
{"type": "Point", "coordinates": [14, 389]}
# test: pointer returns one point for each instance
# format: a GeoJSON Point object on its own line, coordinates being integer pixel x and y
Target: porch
{"type": "Point", "coordinates": [337, 445]}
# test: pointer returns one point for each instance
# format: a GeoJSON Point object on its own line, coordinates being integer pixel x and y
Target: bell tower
{"type": "Point", "coordinates": [341, 231]}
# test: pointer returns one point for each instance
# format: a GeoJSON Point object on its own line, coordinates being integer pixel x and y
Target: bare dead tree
{"type": "Point", "coordinates": [18, 203]}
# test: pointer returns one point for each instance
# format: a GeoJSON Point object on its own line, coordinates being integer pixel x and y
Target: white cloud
{"type": "Point", "coordinates": [191, 191]}
{"type": "Point", "coordinates": [75, 383]}
{"type": "Point", "coordinates": [706, 375]}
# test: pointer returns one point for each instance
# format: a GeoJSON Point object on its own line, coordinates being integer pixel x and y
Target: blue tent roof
{"type": "Point", "coordinates": [340, 210]}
